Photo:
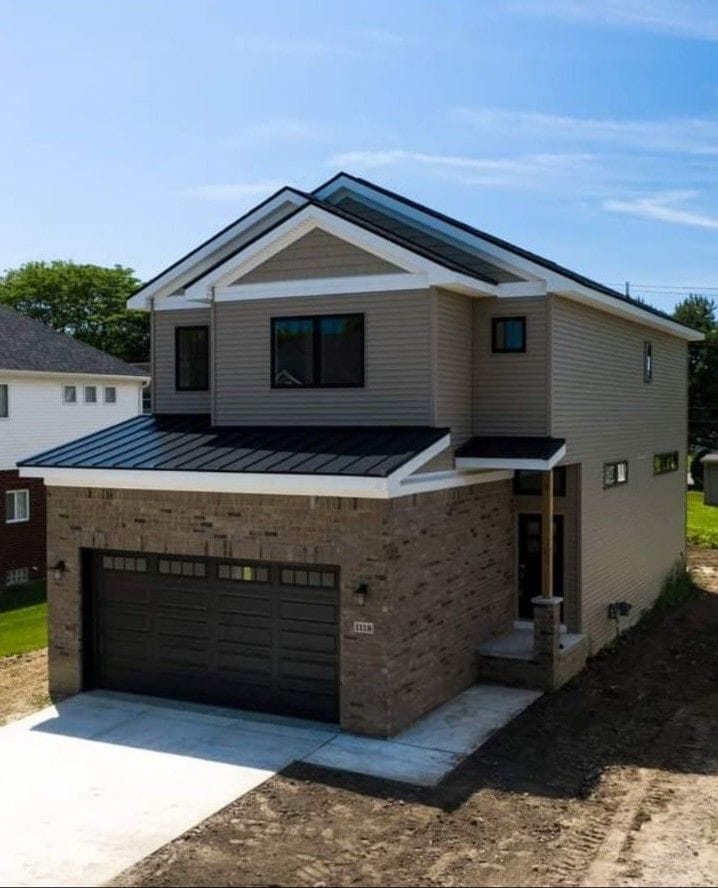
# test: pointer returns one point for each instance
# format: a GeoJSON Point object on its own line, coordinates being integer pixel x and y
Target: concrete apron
{"type": "Point", "coordinates": [99, 782]}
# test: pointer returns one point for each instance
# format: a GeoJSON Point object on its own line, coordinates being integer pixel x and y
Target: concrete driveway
{"type": "Point", "coordinates": [96, 784]}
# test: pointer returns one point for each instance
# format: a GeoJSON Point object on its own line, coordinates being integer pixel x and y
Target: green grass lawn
{"type": "Point", "coordinates": [702, 522]}
{"type": "Point", "coordinates": [23, 618]}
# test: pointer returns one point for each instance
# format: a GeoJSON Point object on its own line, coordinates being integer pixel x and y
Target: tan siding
{"type": "Point", "coordinates": [630, 535]}
{"type": "Point", "coordinates": [453, 365]}
{"type": "Point", "coordinates": [510, 392]}
{"type": "Point", "coordinates": [397, 363]}
{"type": "Point", "coordinates": [164, 397]}
{"type": "Point", "coordinates": [317, 255]}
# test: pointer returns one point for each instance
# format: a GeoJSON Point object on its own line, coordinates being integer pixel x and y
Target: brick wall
{"type": "Point", "coordinates": [23, 544]}
{"type": "Point", "coordinates": [438, 569]}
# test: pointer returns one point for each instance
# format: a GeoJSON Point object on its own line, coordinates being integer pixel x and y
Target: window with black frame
{"type": "Point", "coordinates": [192, 359]}
{"type": "Point", "coordinates": [665, 462]}
{"type": "Point", "coordinates": [324, 351]}
{"type": "Point", "coordinates": [529, 483]}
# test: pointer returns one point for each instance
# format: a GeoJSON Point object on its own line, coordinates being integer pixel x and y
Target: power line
{"type": "Point", "coordinates": [668, 288]}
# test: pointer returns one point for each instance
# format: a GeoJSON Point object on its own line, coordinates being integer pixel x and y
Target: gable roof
{"type": "Point", "coordinates": [29, 345]}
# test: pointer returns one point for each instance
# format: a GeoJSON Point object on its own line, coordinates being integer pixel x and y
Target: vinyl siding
{"type": "Point", "coordinates": [453, 365]}
{"type": "Point", "coordinates": [317, 255]}
{"type": "Point", "coordinates": [631, 535]}
{"type": "Point", "coordinates": [510, 391]}
{"type": "Point", "coordinates": [164, 397]}
{"type": "Point", "coordinates": [397, 363]}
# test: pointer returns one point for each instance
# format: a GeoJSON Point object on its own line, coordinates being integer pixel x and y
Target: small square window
{"type": "Point", "coordinates": [647, 361]}
{"type": "Point", "coordinates": [18, 576]}
{"type": "Point", "coordinates": [4, 401]}
{"type": "Point", "coordinates": [665, 462]}
{"type": "Point", "coordinates": [164, 566]}
{"type": "Point", "coordinates": [141, 565]}
{"type": "Point", "coordinates": [262, 575]}
{"type": "Point", "coordinates": [110, 394]}
{"type": "Point", "coordinates": [90, 394]}
{"type": "Point", "coordinates": [287, 576]}
{"type": "Point", "coordinates": [508, 335]}
{"type": "Point", "coordinates": [17, 506]}
{"type": "Point", "coordinates": [69, 394]}
{"type": "Point", "coordinates": [223, 571]}
{"type": "Point", "coordinates": [615, 473]}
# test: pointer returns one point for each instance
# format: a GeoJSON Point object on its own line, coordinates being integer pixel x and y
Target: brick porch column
{"type": "Point", "coordinates": [547, 629]}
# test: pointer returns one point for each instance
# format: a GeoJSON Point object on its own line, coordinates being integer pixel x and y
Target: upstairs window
{"type": "Point", "coordinates": [318, 352]}
{"type": "Point", "coordinates": [508, 335]}
{"type": "Point", "coordinates": [665, 462]}
{"type": "Point", "coordinates": [615, 473]}
{"type": "Point", "coordinates": [17, 506]}
{"type": "Point", "coordinates": [647, 361]}
{"type": "Point", "coordinates": [192, 359]}
{"type": "Point", "coordinates": [69, 394]}
{"type": "Point", "coordinates": [90, 394]}
{"type": "Point", "coordinates": [4, 401]}
{"type": "Point", "coordinates": [110, 394]}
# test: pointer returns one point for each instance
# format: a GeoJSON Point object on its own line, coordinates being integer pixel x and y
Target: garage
{"type": "Point", "coordinates": [256, 635]}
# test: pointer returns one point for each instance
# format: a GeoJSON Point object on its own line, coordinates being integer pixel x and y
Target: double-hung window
{"type": "Point", "coordinates": [324, 351]}
{"type": "Point", "coordinates": [17, 506]}
{"type": "Point", "coordinates": [69, 394]}
{"type": "Point", "coordinates": [4, 401]}
{"type": "Point", "coordinates": [90, 394]}
{"type": "Point", "coordinates": [192, 359]}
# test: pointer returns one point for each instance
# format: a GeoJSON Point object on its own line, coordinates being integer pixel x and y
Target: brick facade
{"type": "Point", "coordinates": [22, 545]}
{"type": "Point", "coordinates": [439, 568]}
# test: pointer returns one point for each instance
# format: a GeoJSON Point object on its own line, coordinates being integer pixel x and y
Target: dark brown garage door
{"type": "Point", "coordinates": [249, 634]}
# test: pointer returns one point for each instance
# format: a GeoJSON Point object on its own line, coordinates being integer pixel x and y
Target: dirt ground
{"type": "Point", "coordinates": [23, 685]}
{"type": "Point", "coordinates": [611, 781]}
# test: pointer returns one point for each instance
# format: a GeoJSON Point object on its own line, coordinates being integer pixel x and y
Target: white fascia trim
{"type": "Point", "coordinates": [178, 303]}
{"type": "Point", "coordinates": [57, 374]}
{"type": "Point", "coordinates": [431, 481]}
{"type": "Point", "coordinates": [522, 289]}
{"type": "Point", "coordinates": [307, 220]}
{"type": "Point", "coordinates": [531, 465]}
{"type": "Point", "coordinates": [141, 301]}
{"type": "Point", "coordinates": [419, 460]}
{"type": "Point", "coordinates": [323, 287]}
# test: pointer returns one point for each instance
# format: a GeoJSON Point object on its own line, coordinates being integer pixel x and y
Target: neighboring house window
{"type": "Point", "coordinates": [508, 335]}
{"type": "Point", "coordinates": [69, 394]}
{"type": "Point", "coordinates": [615, 473]}
{"type": "Point", "coordinates": [4, 401]}
{"type": "Point", "coordinates": [17, 576]}
{"type": "Point", "coordinates": [529, 483]}
{"type": "Point", "coordinates": [192, 359]}
{"type": "Point", "coordinates": [665, 462]}
{"type": "Point", "coordinates": [647, 361]}
{"type": "Point", "coordinates": [110, 394]}
{"type": "Point", "coordinates": [90, 394]}
{"type": "Point", "coordinates": [17, 506]}
{"type": "Point", "coordinates": [318, 352]}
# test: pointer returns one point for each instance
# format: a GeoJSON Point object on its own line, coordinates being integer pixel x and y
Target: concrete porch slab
{"type": "Point", "coordinates": [519, 643]}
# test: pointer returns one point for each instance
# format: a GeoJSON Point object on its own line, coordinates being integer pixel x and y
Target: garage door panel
{"type": "Point", "coordinates": [268, 647]}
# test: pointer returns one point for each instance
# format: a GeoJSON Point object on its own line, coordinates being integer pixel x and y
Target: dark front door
{"type": "Point", "coordinates": [530, 561]}
{"type": "Point", "coordinates": [263, 636]}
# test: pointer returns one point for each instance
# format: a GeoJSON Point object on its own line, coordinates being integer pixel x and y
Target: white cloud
{"type": "Point", "coordinates": [694, 19]}
{"type": "Point", "coordinates": [236, 191]}
{"type": "Point", "coordinates": [681, 135]}
{"type": "Point", "coordinates": [662, 207]}
{"type": "Point", "coordinates": [532, 170]}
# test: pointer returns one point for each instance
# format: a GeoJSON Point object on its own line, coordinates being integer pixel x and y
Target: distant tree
{"type": "Point", "coordinates": [701, 313]}
{"type": "Point", "coordinates": [88, 302]}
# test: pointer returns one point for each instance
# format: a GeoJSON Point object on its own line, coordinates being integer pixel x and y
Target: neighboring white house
{"type": "Point", "coordinates": [55, 389]}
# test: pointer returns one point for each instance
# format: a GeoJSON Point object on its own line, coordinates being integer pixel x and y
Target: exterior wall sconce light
{"type": "Point", "coordinates": [59, 570]}
{"type": "Point", "coordinates": [360, 594]}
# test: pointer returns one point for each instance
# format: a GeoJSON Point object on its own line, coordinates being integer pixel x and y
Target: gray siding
{"type": "Point", "coordinates": [631, 535]}
{"type": "Point", "coordinates": [316, 255]}
{"type": "Point", "coordinates": [452, 387]}
{"type": "Point", "coordinates": [511, 391]}
{"type": "Point", "coordinates": [397, 362]}
{"type": "Point", "coordinates": [164, 397]}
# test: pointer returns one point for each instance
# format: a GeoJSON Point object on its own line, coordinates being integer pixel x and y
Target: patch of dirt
{"type": "Point", "coordinates": [610, 781]}
{"type": "Point", "coordinates": [23, 685]}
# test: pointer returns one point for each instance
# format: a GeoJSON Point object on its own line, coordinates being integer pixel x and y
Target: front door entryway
{"type": "Point", "coordinates": [530, 561]}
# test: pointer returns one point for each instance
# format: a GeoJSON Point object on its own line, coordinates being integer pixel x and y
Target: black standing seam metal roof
{"type": "Point", "coordinates": [189, 443]}
{"type": "Point", "coordinates": [513, 447]}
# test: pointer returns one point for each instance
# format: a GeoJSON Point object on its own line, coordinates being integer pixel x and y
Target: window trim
{"type": "Point", "coordinates": [647, 361]}
{"type": "Point", "coordinates": [105, 389]}
{"type": "Point", "coordinates": [663, 455]}
{"type": "Point", "coordinates": [616, 483]}
{"type": "Point", "coordinates": [84, 394]}
{"type": "Point", "coordinates": [13, 493]}
{"type": "Point", "coordinates": [6, 386]}
{"type": "Point", "coordinates": [65, 386]}
{"type": "Point", "coordinates": [178, 329]}
{"type": "Point", "coordinates": [508, 351]}
{"type": "Point", "coordinates": [316, 351]}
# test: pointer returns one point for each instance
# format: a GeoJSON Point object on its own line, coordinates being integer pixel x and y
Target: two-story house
{"type": "Point", "coordinates": [52, 390]}
{"type": "Point", "coordinates": [389, 453]}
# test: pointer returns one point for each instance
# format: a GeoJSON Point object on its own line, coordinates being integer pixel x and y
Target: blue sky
{"type": "Point", "coordinates": [585, 131]}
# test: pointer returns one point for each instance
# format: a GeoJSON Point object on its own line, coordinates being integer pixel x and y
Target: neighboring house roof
{"type": "Point", "coordinates": [188, 442]}
{"type": "Point", "coordinates": [29, 345]}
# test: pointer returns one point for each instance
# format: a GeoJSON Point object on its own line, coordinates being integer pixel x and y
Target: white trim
{"type": "Point", "coordinates": [141, 300]}
{"type": "Point", "coordinates": [179, 303]}
{"type": "Point", "coordinates": [522, 289]}
{"type": "Point", "coordinates": [430, 481]}
{"type": "Point", "coordinates": [310, 218]}
{"type": "Point", "coordinates": [323, 287]}
{"type": "Point", "coordinates": [532, 465]}
{"type": "Point", "coordinates": [74, 375]}
{"type": "Point", "coordinates": [420, 459]}
{"type": "Point", "coordinates": [14, 493]}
